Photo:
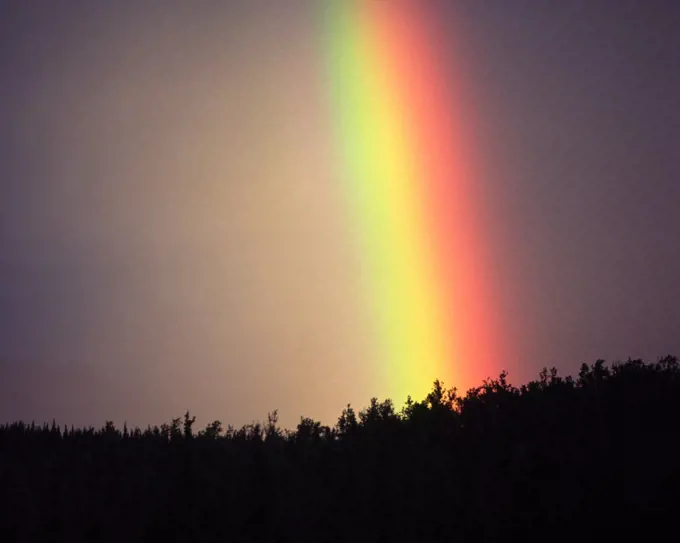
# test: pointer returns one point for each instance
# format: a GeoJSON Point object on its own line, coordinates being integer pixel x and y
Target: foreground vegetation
{"type": "Point", "coordinates": [557, 458]}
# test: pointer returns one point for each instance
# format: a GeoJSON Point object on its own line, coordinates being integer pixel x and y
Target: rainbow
{"type": "Point", "coordinates": [411, 194]}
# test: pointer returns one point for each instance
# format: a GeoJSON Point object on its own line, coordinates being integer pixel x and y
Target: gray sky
{"type": "Point", "coordinates": [171, 235]}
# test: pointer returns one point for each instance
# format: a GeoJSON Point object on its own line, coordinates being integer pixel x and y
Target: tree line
{"type": "Point", "coordinates": [597, 455]}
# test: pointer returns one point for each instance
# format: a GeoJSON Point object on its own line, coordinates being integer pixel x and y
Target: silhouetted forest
{"type": "Point", "coordinates": [596, 456]}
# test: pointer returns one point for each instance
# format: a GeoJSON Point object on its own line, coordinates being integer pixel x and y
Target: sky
{"type": "Point", "coordinates": [173, 233]}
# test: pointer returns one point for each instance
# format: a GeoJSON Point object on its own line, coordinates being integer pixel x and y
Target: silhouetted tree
{"type": "Point", "coordinates": [554, 458]}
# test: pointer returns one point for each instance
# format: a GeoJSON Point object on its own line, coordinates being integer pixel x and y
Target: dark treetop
{"type": "Point", "coordinates": [556, 459]}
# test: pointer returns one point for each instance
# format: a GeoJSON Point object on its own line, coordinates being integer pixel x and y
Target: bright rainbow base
{"type": "Point", "coordinates": [410, 194]}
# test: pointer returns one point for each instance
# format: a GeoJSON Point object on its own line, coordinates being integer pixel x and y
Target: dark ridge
{"type": "Point", "coordinates": [596, 456]}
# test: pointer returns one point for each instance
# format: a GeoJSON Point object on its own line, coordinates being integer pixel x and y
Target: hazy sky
{"type": "Point", "coordinates": [172, 234]}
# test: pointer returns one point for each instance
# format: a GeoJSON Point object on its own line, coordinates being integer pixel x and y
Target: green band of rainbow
{"type": "Point", "coordinates": [409, 192]}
